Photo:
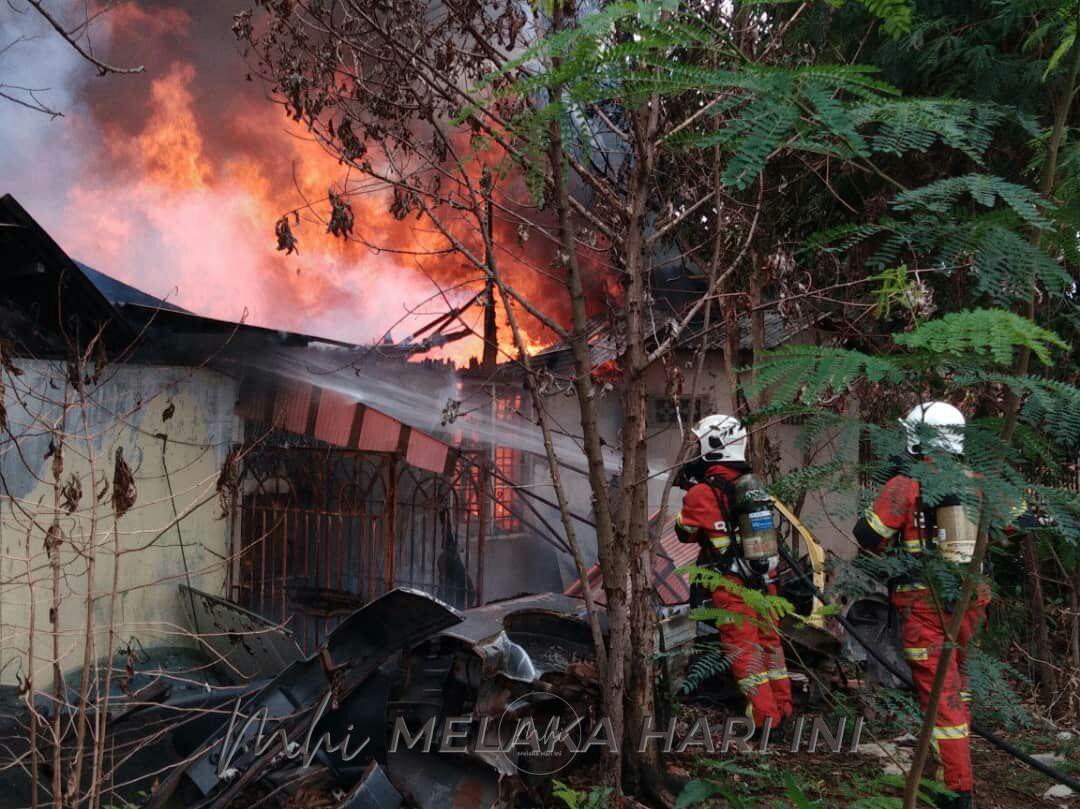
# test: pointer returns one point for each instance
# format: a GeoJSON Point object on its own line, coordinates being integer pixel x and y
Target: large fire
{"type": "Point", "coordinates": [186, 170]}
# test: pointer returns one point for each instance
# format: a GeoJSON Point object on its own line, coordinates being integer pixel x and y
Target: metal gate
{"type": "Point", "coordinates": [318, 532]}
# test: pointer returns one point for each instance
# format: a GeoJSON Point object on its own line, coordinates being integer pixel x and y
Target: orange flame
{"type": "Point", "coordinates": [183, 205]}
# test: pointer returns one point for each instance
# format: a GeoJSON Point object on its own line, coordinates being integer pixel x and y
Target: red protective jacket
{"type": "Point", "coordinates": [896, 518]}
{"type": "Point", "coordinates": [750, 641]}
{"type": "Point", "coordinates": [702, 518]}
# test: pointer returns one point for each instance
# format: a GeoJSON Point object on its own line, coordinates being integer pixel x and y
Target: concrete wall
{"type": "Point", "coordinates": [126, 409]}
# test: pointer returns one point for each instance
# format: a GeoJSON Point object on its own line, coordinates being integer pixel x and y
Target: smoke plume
{"type": "Point", "coordinates": [171, 180]}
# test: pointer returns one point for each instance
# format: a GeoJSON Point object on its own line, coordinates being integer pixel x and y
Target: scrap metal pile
{"type": "Point", "coordinates": [454, 685]}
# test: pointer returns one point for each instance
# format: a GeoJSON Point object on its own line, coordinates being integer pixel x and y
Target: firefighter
{"type": "Point", "coordinates": [728, 513]}
{"type": "Point", "coordinates": [900, 518]}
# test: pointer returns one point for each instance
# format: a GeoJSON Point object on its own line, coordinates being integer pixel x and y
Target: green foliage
{"type": "Point", "coordinates": [934, 228]}
{"type": "Point", "coordinates": [895, 15]}
{"type": "Point", "coordinates": [711, 662]}
{"type": "Point", "coordinates": [1067, 32]}
{"type": "Point", "coordinates": [962, 216]}
{"type": "Point", "coordinates": [625, 53]}
{"type": "Point", "coordinates": [768, 607]}
{"type": "Point", "coordinates": [737, 784]}
{"type": "Point", "coordinates": [763, 129]}
{"type": "Point", "coordinates": [1051, 406]}
{"type": "Point", "coordinates": [872, 793]}
{"type": "Point", "coordinates": [595, 798]}
{"type": "Point", "coordinates": [943, 196]}
{"type": "Point", "coordinates": [965, 348]}
{"type": "Point", "coordinates": [994, 700]}
{"type": "Point", "coordinates": [837, 473]}
{"type": "Point", "coordinates": [741, 787]}
{"type": "Point", "coordinates": [896, 287]}
{"type": "Point", "coordinates": [807, 374]}
{"type": "Point", "coordinates": [805, 109]}
{"type": "Point", "coordinates": [700, 790]}
{"type": "Point", "coordinates": [797, 795]}
{"type": "Point", "coordinates": [899, 126]}
{"type": "Point", "coordinates": [994, 332]}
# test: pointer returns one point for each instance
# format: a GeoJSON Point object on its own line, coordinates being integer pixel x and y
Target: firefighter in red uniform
{"type": "Point", "coordinates": [899, 517]}
{"type": "Point", "coordinates": [728, 513]}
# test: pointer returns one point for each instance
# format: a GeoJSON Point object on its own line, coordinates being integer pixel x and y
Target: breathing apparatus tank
{"type": "Point", "coordinates": [954, 531]}
{"type": "Point", "coordinates": [754, 517]}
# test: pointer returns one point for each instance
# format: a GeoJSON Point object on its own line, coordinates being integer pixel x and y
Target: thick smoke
{"type": "Point", "coordinates": [171, 180]}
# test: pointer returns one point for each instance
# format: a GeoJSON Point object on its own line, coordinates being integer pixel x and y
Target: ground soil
{"type": "Point", "coordinates": [834, 781]}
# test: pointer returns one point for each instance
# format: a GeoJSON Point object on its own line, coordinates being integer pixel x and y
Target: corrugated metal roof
{"type": "Point", "coordinates": [306, 409]}
{"type": "Point", "coordinates": [671, 588]}
{"type": "Point", "coordinates": [379, 432]}
{"type": "Point", "coordinates": [118, 293]}
{"type": "Point", "coordinates": [426, 453]}
{"type": "Point", "coordinates": [334, 419]}
{"type": "Point", "coordinates": [292, 403]}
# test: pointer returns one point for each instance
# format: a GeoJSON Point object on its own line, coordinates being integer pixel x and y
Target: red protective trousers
{"type": "Point", "coordinates": [757, 657]}
{"type": "Point", "coordinates": [923, 633]}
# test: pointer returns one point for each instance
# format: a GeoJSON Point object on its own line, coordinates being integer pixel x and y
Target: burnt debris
{"type": "Point", "coordinates": [408, 702]}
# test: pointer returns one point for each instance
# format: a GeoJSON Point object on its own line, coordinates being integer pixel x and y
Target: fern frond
{"type": "Point", "coordinates": [772, 122]}
{"type": "Point", "coordinates": [942, 196]}
{"type": "Point", "coordinates": [995, 332]}
{"type": "Point", "coordinates": [916, 124]}
{"type": "Point", "coordinates": [895, 15]}
{"type": "Point", "coordinates": [806, 374]}
{"type": "Point", "coordinates": [711, 663]}
{"type": "Point", "coordinates": [1051, 407]}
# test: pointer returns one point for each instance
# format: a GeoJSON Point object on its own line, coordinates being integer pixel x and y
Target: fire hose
{"type": "Point", "coordinates": [904, 677]}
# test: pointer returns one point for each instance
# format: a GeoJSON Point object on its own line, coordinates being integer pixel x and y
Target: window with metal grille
{"type": "Point", "coordinates": [510, 467]}
{"type": "Point", "coordinates": [508, 471]}
{"type": "Point", "coordinates": [663, 409]}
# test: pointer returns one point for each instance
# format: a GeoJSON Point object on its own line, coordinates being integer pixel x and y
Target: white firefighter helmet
{"type": "Point", "coordinates": [722, 439]}
{"type": "Point", "coordinates": [939, 424]}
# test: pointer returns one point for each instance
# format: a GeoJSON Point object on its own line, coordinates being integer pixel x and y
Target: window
{"type": "Point", "coordinates": [510, 465]}
{"type": "Point", "coordinates": [663, 409]}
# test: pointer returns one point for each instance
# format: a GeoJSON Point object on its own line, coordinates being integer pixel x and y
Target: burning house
{"type": "Point", "coordinates": [671, 412]}
{"type": "Point", "coordinates": [236, 512]}
{"type": "Point", "coordinates": [268, 467]}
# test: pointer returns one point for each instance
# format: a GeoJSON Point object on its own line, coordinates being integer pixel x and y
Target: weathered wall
{"type": "Point", "coordinates": [126, 409]}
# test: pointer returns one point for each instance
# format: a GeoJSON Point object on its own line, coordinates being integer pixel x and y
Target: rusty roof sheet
{"type": "Point", "coordinates": [671, 587]}
{"type": "Point", "coordinates": [330, 416]}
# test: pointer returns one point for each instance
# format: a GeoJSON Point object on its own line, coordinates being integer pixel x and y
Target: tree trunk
{"type": "Point", "coordinates": [731, 352]}
{"type": "Point", "coordinates": [758, 442]}
{"type": "Point", "coordinates": [74, 784]}
{"type": "Point", "coordinates": [1074, 608]}
{"type": "Point", "coordinates": [1047, 182]}
{"type": "Point", "coordinates": [612, 552]}
{"type": "Point", "coordinates": [1036, 610]}
{"type": "Point", "coordinates": [634, 512]}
